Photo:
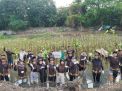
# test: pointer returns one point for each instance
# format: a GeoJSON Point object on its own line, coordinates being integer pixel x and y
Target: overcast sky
{"type": "Point", "coordinates": [62, 3]}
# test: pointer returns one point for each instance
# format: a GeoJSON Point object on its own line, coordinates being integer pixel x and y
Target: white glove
{"type": "Point", "coordinates": [22, 72]}
{"type": "Point", "coordinates": [54, 67]}
{"type": "Point", "coordinates": [66, 66]}
{"type": "Point", "coordinates": [67, 75]}
{"type": "Point", "coordinates": [32, 66]}
{"type": "Point", "coordinates": [42, 67]}
{"type": "Point", "coordinates": [103, 72]}
{"type": "Point", "coordinates": [57, 65]}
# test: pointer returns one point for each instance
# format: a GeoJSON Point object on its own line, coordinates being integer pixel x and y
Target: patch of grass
{"type": "Point", "coordinates": [82, 42]}
{"type": "Point", "coordinates": [6, 37]}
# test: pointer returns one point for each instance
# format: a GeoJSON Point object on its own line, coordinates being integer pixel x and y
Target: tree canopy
{"type": "Point", "coordinates": [33, 13]}
{"type": "Point", "coordinates": [96, 12]}
{"type": "Point", "coordinates": [21, 14]}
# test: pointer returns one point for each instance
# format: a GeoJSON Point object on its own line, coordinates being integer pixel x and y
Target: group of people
{"type": "Point", "coordinates": [45, 67]}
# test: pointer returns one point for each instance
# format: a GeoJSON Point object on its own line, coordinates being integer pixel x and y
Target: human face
{"type": "Point", "coordinates": [96, 55]}
{"type": "Point", "coordinates": [40, 62]}
{"type": "Point", "coordinates": [62, 62]}
{"type": "Point", "coordinates": [34, 62]}
{"type": "Point", "coordinates": [21, 62]}
{"type": "Point", "coordinates": [52, 62]}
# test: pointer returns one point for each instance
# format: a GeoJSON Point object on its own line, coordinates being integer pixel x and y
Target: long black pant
{"type": "Point", "coordinates": [72, 77]}
{"type": "Point", "coordinates": [4, 77]}
{"type": "Point", "coordinates": [121, 71]}
{"type": "Point", "coordinates": [52, 78]}
{"type": "Point", "coordinates": [115, 74]}
{"type": "Point", "coordinates": [43, 77]}
{"type": "Point", "coordinates": [96, 77]}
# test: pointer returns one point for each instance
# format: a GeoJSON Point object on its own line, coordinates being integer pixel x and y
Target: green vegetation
{"type": "Point", "coordinates": [22, 14]}
{"type": "Point", "coordinates": [96, 12]}
{"type": "Point", "coordinates": [79, 41]}
{"type": "Point", "coordinates": [19, 14]}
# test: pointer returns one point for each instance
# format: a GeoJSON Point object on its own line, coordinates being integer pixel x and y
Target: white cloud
{"type": "Point", "coordinates": [63, 3]}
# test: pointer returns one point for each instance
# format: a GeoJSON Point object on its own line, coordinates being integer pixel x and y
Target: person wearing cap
{"type": "Point", "coordinates": [5, 70]}
{"type": "Point", "coordinates": [73, 70]}
{"type": "Point", "coordinates": [61, 70]}
{"type": "Point", "coordinates": [51, 70]}
{"type": "Point", "coordinates": [42, 69]}
{"type": "Point", "coordinates": [97, 68]}
{"type": "Point", "coordinates": [34, 73]}
{"type": "Point", "coordinates": [114, 65]}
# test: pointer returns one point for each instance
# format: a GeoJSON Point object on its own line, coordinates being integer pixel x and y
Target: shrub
{"type": "Point", "coordinates": [73, 21]}
{"type": "Point", "coordinates": [18, 24]}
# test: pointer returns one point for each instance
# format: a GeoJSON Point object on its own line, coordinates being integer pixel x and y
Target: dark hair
{"type": "Point", "coordinates": [114, 52]}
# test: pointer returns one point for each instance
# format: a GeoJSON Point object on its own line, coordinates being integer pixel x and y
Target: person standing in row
{"type": "Point", "coordinates": [73, 70]}
{"type": "Point", "coordinates": [1, 69]}
{"type": "Point", "coordinates": [21, 70]}
{"type": "Point", "coordinates": [97, 68]}
{"type": "Point", "coordinates": [5, 70]}
{"type": "Point", "coordinates": [34, 72]}
{"type": "Point", "coordinates": [114, 66]}
{"type": "Point", "coordinates": [42, 68]}
{"type": "Point", "coordinates": [82, 63]}
{"type": "Point", "coordinates": [120, 61]}
{"type": "Point", "coordinates": [61, 70]}
{"type": "Point", "coordinates": [51, 70]}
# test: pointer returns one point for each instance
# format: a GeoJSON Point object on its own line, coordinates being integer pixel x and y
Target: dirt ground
{"type": "Point", "coordinates": [5, 86]}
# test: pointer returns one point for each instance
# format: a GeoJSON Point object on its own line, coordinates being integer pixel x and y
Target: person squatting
{"type": "Point", "coordinates": [45, 68]}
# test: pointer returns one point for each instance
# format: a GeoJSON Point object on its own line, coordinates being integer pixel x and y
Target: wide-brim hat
{"type": "Point", "coordinates": [102, 52]}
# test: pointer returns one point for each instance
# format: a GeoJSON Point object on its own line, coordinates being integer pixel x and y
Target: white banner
{"type": "Point", "coordinates": [57, 54]}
